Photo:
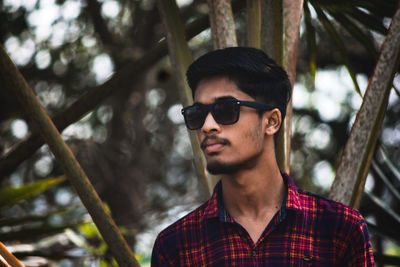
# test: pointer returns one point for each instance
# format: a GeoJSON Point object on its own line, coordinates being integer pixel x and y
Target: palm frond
{"type": "Point", "coordinates": [387, 259]}
{"type": "Point", "coordinates": [356, 32]}
{"type": "Point", "coordinates": [339, 43]}
{"type": "Point", "coordinates": [384, 206]}
{"type": "Point", "coordinates": [370, 21]}
{"type": "Point", "coordinates": [394, 170]}
{"type": "Point", "coordinates": [385, 179]}
{"type": "Point", "coordinates": [12, 195]}
{"type": "Point", "coordinates": [34, 218]}
{"type": "Point", "coordinates": [311, 41]}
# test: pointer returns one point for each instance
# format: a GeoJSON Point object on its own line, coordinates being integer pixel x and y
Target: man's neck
{"type": "Point", "coordinates": [253, 197]}
{"type": "Point", "coordinates": [253, 193]}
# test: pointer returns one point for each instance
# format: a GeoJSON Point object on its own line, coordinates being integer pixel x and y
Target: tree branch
{"type": "Point", "coordinates": [94, 96]}
{"type": "Point", "coordinates": [107, 227]}
{"type": "Point", "coordinates": [100, 26]}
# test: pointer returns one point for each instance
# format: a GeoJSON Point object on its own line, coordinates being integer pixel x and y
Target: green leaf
{"type": "Point", "coordinates": [13, 195]}
{"type": "Point", "coordinates": [89, 230]}
{"type": "Point", "coordinates": [93, 243]}
{"type": "Point", "coordinates": [339, 43]}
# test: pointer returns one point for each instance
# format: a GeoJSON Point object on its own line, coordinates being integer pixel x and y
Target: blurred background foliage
{"type": "Point", "coordinates": [133, 145]}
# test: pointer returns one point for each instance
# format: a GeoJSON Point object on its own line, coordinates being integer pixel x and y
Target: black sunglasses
{"type": "Point", "coordinates": [225, 111]}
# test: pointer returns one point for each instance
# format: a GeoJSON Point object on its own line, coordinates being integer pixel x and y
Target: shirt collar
{"type": "Point", "coordinates": [211, 209]}
{"type": "Point", "coordinates": [214, 207]}
{"type": "Point", "coordinates": [292, 199]}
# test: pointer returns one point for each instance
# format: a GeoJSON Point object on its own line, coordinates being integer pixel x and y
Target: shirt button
{"type": "Point", "coordinates": [254, 253]}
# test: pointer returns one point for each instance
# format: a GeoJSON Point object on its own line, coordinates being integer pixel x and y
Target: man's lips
{"type": "Point", "coordinates": [213, 147]}
{"type": "Point", "coordinates": [213, 144]}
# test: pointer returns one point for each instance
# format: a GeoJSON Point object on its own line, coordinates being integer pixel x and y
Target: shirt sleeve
{"type": "Point", "coordinates": [359, 252]}
{"type": "Point", "coordinates": [159, 256]}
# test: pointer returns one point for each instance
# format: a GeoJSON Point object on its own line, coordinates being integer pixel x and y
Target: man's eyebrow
{"type": "Point", "coordinates": [224, 97]}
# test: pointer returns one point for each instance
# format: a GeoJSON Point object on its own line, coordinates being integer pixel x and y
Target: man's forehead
{"type": "Point", "coordinates": [209, 90]}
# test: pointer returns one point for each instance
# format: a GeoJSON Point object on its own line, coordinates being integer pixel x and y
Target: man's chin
{"type": "Point", "coordinates": [222, 168]}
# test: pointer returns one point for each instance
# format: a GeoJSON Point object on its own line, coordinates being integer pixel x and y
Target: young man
{"type": "Point", "coordinates": [256, 216]}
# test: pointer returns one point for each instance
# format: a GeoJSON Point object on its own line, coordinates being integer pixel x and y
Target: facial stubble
{"type": "Point", "coordinates": [220, 167]}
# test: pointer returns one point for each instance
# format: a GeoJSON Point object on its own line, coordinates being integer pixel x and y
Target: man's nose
{"type": "Point", "coordinates": [210, 124]}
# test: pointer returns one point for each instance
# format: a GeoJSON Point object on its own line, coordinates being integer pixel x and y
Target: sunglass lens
{"type": "Point", "coordinates": [226, 112]}
{"type": "Point", "coordinates": [194, 117]}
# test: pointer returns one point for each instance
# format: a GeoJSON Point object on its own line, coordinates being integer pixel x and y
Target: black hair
{"type": "Point", "coordinates": [251, 69]}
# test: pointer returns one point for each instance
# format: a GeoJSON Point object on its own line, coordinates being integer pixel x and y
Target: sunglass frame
{"type": "Point", "coordinates": [210, 108]}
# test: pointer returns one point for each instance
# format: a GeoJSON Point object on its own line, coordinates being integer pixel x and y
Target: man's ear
{"type": "Point", "coordinates": [273, 121]}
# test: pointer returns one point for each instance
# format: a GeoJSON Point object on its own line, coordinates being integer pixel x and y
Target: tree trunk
{"type": "Point", "coordinates": [353, 168]}
{"type": "Point", "coordinates": [280, 29]}
{"type": "Point", "coordinates": [222, 23]}
{"type": "Point", "coordinates": [254, 18]}
{"type": "Point", "coordinates": [272, 29]}
{"type": "Point", "coordinates": [223, 35]}
{"type": "Point", "coordinates": [292, 12]}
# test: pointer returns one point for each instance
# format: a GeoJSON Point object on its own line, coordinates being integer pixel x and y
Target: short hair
{"type": "Point", "coordinates": [251, 69]}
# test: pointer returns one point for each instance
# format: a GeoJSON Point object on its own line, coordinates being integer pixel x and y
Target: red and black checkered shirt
{"type": "Point", "coordinates": [308, 230]}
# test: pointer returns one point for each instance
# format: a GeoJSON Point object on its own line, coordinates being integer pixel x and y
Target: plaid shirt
{"type": "Point", "coordinates": [308, 230]}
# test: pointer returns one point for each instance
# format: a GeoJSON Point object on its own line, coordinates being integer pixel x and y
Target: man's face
{"type": "Point", "coordinates": [229, 148]}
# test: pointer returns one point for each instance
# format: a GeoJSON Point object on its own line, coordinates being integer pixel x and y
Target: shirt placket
{"type": "Point", "coordinates": [255, 255]}
{"type": "Point", "coordinates": [252, 248]}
